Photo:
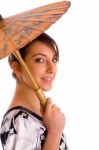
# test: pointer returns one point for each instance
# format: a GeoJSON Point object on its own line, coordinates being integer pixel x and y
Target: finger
{"type": "Point", "coordinates": [58, 109]}
{"type": "Point", "coordinates": [48, 105]}
{"type": "Point", "coordinates": [54, 107]}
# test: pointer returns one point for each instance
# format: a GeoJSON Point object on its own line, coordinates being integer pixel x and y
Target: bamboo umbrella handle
{"type": "Point", "coordinates": [36, 88]}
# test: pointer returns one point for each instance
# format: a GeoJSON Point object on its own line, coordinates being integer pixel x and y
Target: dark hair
{"type": "Point", "coordinates": [23, 51]}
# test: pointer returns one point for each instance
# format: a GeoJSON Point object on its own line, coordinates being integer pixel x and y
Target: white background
{"type": "Point", "coordinates": [76, 88]}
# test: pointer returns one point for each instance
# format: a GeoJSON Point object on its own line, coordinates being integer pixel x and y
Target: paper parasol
{"type": "Point", "coordinates": [18, 30]}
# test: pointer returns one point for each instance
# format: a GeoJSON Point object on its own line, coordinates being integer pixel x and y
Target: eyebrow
{"type": "Point", "coordinates": [39, 54]}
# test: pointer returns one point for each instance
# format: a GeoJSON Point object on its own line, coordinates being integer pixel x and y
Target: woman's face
{"type": "Point", "coordinates": [41, 61]}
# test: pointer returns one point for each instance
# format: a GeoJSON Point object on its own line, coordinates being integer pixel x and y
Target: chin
{"type": "Point", "coordinates": [46, 88]}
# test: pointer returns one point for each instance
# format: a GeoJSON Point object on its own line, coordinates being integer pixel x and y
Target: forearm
{"type": "Point", "coordinates": [52, 142]}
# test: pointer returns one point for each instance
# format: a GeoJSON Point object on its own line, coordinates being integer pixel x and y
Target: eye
{"type": "Point", "coordinates": [39, 60]}
{"type": "Point", "coordinates": [54, 60]}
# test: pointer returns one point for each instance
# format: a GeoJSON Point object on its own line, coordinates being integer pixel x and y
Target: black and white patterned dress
{"type": "Point", "coordinates": [22, 129]}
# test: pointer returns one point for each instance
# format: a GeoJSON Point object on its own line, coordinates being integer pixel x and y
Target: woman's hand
{"type": "Point", "coordinates": [54, 119]}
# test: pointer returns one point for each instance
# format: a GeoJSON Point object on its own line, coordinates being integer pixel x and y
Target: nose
{"type": "Point", "coordinates": [50, 67]}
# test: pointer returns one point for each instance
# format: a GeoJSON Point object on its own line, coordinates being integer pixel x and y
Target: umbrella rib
{"type": "Point", "coordinates": [51, 19]}
{"type": "Point", "coordinates": [36, 17]}
{"type": "Point", "coordinates": [40, 15]}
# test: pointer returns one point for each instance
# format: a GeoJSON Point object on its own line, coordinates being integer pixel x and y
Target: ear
{"type": "Point", "coordinates": [16, 68]}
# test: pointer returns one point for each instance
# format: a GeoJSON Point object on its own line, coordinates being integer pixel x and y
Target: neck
{"type": "Point", "coordinates": [26, 97]}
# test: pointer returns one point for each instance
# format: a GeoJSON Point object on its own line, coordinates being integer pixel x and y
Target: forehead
{"type": "Point", "coordinates": [39, 47]}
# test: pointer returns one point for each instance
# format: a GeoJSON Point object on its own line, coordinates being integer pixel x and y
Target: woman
{"type": "Point", "coordinates": [23, 125]}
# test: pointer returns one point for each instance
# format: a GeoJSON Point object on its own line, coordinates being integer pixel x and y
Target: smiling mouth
{"type": "Point", "coordinates": [47, 79]}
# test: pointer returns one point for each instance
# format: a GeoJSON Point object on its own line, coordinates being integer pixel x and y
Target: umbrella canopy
{"type": "Point", "coordinates": [18, 30]}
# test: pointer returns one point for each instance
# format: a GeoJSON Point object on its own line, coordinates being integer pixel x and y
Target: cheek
{"type": "Point", "coordinates": [36, 74]}
{"type": "Point", "coordinates": [37, 71]}
{"type": "Point", "coordinates": [55, 70]}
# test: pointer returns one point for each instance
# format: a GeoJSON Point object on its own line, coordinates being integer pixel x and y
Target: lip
{"type": "Point", "coordinates": [48, 79]}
